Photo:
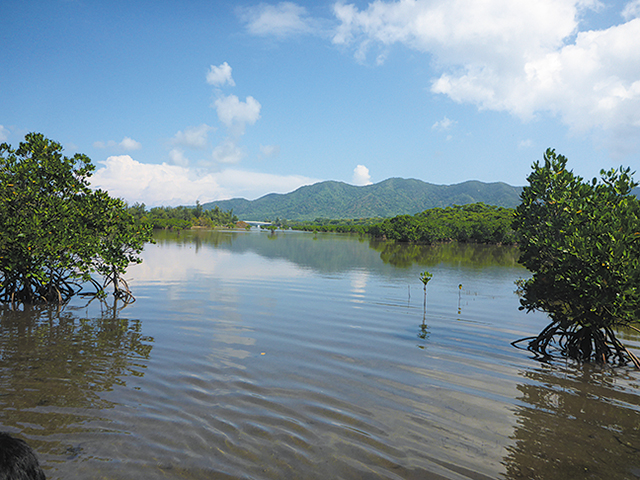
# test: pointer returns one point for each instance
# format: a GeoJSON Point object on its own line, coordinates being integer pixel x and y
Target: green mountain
{"type": "Point", "coordinates": [391, 197]}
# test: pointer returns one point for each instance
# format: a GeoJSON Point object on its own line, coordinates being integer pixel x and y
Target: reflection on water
{"type": "Point", "coordinates": [576, 422]}
{"type": "Point", "coordinates": [473, 255]}
{"type": "Point", "coordinates": [331, 253]}
{"type": "Point", "coordinates": [55, 365]}
{"type": "Point", "coordinates": [305, 356]}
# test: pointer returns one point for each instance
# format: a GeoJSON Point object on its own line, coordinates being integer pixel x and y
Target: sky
{"type": "Point", "coordinates": [178, 101]}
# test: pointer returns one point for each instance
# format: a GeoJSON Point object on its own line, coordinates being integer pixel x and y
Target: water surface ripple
{"type": "Point", "coordinates": [294, 356]}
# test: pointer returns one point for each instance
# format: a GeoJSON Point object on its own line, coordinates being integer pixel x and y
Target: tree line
{"type": "Point", "coordinates": [180, 218]}
{"type": "Point", "coordinates": [472, 223]}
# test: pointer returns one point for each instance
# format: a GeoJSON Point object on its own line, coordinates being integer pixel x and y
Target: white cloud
{"type": "Point", "coordinates": [4, 134]}
{"type": "Point", "coordinates": [361, 175]}
{"type": "Point", "coordinates": [235, 115]}
{"type": "Point", "coordinates": [193, 137]}
{"type": "Point", "coordinates": [460, 31]}
{"type": "Point", "coordinates": [270, 150]}
{"type": "Point", "coordinates": [444, 124]}
{"type": "Point", "coordinates": [219, 76]}
{"type": "Point", "coordinates": [177, 157]}
{"type": "Point", "coordinates": [165, 184]}
{"type": "Point", "coordinates": [127, 144]}
{"type": "Point", "coordinates": [631, 10]}
{"type": "Point", "coordinates": [281, 20]}
{"type": "Point", "coordinates": [233, 112]}
{"type": "Point", "coordinates": [228, 152]}
{"type": "Point", "coordinates": [528, 143]}
{"type": "Point", "coordinates": [517, 56]}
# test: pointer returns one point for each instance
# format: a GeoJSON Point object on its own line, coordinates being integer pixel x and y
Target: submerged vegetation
{"type": "Point", "coordinates": [581, 241]}
{"type": "Point", "coordinates": [55, 231]}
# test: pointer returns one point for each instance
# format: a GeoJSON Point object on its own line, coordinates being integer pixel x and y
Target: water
{"type": "Point", "coordinates": [257, 356]}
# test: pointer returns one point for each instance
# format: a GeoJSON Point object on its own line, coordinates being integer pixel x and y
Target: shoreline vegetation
{"type": "Point", "coordinates": [471, 223]}
{"type": "Point", "coordinates": [57, 234]}
{"type": "Point", "coordinates": [183, 218]}
{"type": "Point", "coordinates": [581, 242]}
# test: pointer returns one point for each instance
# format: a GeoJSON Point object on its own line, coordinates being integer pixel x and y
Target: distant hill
{"type": "Point", "coordinates": [391, 197]}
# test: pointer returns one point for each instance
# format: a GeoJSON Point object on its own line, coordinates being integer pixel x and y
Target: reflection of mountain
{"type": "Point", "coordinates": [52, 364]}
{"type": "Point", "coordinates": [576, 423]}
{"type": "Point", "coordinates": [333, 253]}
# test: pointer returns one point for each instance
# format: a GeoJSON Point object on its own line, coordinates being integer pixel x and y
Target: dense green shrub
{"type": "Point", "coordinates": [55, 231]}
{"type": "Point", "coordinates": [473, 223]}
{"type": "Point", "coordinates": [180, 218]}
{"type": "Point", "coordinates": [581, 241]}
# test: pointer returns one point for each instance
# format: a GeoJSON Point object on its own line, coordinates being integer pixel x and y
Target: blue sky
{"type": "Point", "coordinates": [178, 101]}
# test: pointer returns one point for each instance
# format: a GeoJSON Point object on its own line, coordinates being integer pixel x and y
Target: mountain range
{"type": "Point", "coordinates": [391, 197]}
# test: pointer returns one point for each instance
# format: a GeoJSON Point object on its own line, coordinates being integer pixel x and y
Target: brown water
{"type": "Point", "coordinates": [297, 356]}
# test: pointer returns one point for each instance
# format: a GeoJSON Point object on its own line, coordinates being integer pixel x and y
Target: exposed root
{"type": "Point", "coordinates": [580, 343]}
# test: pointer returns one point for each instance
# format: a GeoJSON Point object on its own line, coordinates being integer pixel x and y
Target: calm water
{"type": "Point", "coordinates": [301, 356]}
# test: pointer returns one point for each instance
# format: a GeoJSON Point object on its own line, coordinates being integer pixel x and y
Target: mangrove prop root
{"type": "Point", "coordinates": [57, 289]}
{"type": "Point", "coordinates": [580, 343]}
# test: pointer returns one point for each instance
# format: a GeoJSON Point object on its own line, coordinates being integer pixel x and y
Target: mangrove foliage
{"type": "Point", "coordinates": [471, 223]}
{"type": "Point", "coordinates": [57, 233]}
{"type": "Point", "coordinates": [180, 218]}
{"type": "Point", "coordinates": [581, 241]}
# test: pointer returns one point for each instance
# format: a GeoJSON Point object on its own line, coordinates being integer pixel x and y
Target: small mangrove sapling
{"type": "Point", "coordinates": [424, 278]}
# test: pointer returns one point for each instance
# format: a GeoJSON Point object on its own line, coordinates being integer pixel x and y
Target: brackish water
{"type": "Point", "coordinates": [299, 356]}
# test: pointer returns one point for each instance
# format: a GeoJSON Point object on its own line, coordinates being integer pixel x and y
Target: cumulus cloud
{"type": "Point", "coordinates": [281, 20]}
{"type": "Point", "coordinates": [444, 124]}
{"type": "Point", "coordinates": [193, 137]}
{"type": "Point", "coordinates": [127, 144]}
{"type": "Point", "coordinates": [233, 112]}
{"type": "Point", "coordinates": [4, 134]}
{"type": "Point", "coordinates": [164, 184]}
{"type": "Point", "coordinates": [460, 31]}
{"type": "Point", "coordinates": [177, 157]}
{"type": "Point", "coordinates": [235, 115]}
{"type": "Point", "coordinates": [228, 152]}
{"type": "Point", "coordinates": [221, 75]}
{"type": "Point", "coordinates": [361, 175]}
{"type": "Point", "coordinates": [517, 56]}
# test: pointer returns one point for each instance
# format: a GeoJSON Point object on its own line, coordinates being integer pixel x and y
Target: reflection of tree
{"type": "Point", "coordinates": [424, 329]}
{"type": "Point", "coordinates": [53, 363]}
{"type": "Point", "coordinates": [197, 237]}
{"type": "Point", "coordinates": [328, 253]}
{"type": "Point", "coordinates": [331, 253]}
{"type": "Point", "coordinates": [468, 254]}
{"type": "Point", "coordinates": [575, 424]}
